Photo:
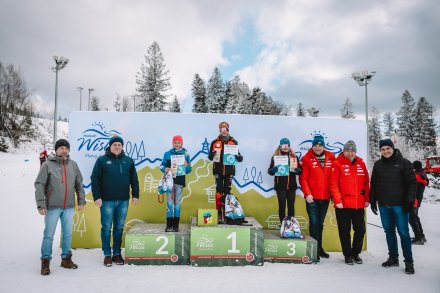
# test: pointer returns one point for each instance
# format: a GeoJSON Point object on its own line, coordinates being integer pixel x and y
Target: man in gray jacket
{"type": "Point", "coordinates": [58, 180]}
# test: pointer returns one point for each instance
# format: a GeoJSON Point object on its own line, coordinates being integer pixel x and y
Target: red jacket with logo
{"type": "Point", "coordinates": [315, 179]}
{"type": "Point", "coordinates": [350, 183]}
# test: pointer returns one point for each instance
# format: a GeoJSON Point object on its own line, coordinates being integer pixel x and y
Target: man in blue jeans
{"type": "Point", "coordinates": [393, 187]}
{"type": "Point", "coordinates": [112, 176]}
{"type": "Point", "coordinates": [57, 182]}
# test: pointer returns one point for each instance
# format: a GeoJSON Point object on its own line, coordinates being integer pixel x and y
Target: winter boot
{"type": "Point", "coordinates": [417, 241]}
{"type": "Point", "coordinates": [323, 254]}
{"type": "Point", "coordinates": [117, 259]}
{"type": "Point", "coordinates": [391, 262]}
{"type": "Point", "coordinates": [357, 259]}
{"type": "Point", "coordinates": [176, 224]}
{"type": "Point", "coordinates": [221, 219]}
{"type": "Point", "coordinates": [424, 239]}
{"type": "Point", "coordinates": [169, 227]}
{"type": "Point", "coordinates": [409, 268]}
{"type": "Point", "coordinates": [108, 262]}
{"type": "Point", "coordinates": [67, 263]}
{"type": "Point", "coordinates": [45, 263]}
{"type": "Point", "coordinates": [349, 260]}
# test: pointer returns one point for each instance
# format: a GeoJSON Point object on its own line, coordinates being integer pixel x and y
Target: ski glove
{"type": "Point", "coordinates": [373, 206]}
{"type": "Point", "coordinates": [239, 158]}
{"type": "Point", "coordinates": [407, 207]}
{"type": "Point", "coordinates": [211, 155]}
{"type": "Point", "coordinates": [273, 170]}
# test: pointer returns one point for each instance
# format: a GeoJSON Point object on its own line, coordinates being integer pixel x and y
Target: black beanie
{"type": "Point", "coordinates": [417, 165]}
{"type": "Point", "coordinates": [114, 139]}
{"type": "Point", "coordinates": [62, 142]}
{"type": "Point", "coordinates": [386, 142]}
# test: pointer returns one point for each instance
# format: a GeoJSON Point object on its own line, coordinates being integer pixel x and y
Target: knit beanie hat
{"type": "Point", "coordinates": [62, 142]}
{"type": "Point", "coordinates": [350, 146]}
{"type": "Point", "coordinates": [177, 138]}
{"type": "Point", "coordinates": [285, 141]}
{"type": "Point", "coordinates": [114, 139]}
{"type": "Point", "coordinates": [318, 139]}
{"type": "Point", "coordinates": [386, 142]}
{"type": "Point", "coordinates": [417, 165]}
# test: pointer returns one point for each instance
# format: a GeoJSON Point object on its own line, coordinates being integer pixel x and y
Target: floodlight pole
{"type": "Point", "coordinates": [60, 63]}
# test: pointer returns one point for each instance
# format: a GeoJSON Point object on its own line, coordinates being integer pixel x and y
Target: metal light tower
{"type": "Point", "coordinates": [88, 104]}
{"type": "Point", "coordinates": [363, 79]}
{"type": "Point", "coordinates": [80, 96]}
{"type": "Point", "coordinates": [60, 63]}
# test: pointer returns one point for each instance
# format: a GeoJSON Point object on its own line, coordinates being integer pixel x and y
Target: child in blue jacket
{"type": "Point", "coordinates": [177, 161]}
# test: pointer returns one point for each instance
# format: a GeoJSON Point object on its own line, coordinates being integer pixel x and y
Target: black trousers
{"type": "Point", "coordinates": [283, 196]}
{"type": "Point", "coordinates": [222, 187]}
{"type": "Point", "coordinates": [346, 219]}
{"type": "Point", "coordinates": [415, 223]}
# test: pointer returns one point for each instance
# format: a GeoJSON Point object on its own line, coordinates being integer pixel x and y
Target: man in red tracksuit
{"type": "Point", "coordinates": [223, 173]}
{"type": "Point", "coordinates": [314, 180]}
{"type": "Point", "coordinates": [350, 187]}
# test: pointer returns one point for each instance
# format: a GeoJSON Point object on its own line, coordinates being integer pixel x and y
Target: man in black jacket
{"type": "Point", "coordinates": [393, 186]}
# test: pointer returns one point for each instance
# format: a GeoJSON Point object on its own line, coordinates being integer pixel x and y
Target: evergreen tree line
{"type": "Point", "coordinates": [232, 97]}
{"type": "Point", "coordinates": [413, 128]}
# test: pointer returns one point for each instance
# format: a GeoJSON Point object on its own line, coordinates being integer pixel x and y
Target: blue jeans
{"type": "Point", "coordinates": [50, 225]}
{"type": "Point", "coordinates": [173, 201]}
{"type": "Point", "coordinates": [317, 210]}
{"type": "Point", "coordinates": [393, 217]}
{"type": "Point", "coordinates": [113, 212]}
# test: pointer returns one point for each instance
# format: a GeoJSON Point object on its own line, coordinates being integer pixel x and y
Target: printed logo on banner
{"type": "Point", "coordinates": [205, 243]}
{"type": "Point", "coordinates": [334, 147]}
{"type": "Point", "coordinates": [271, 248]}
{"type": "Point", "coordinates": [94, 141]}
{"type": "Point", "coordinates": [137, 245]}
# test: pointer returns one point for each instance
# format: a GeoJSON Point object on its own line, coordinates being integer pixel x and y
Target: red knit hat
{"type": "Point", "coordinates": [178, 138]}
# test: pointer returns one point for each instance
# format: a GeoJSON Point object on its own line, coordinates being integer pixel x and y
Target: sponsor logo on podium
{"type": "Point", "coordinates": [205, 243]}
{"type": "Point", "coordinates": [137, 245]}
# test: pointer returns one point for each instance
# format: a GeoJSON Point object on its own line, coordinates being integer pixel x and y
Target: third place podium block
{"type": "Point", "coordinates": [277, 249]}
{"type": "Point", "coordinates": [227, 245]}
{"type": "Point", "coordinates": [148, 244]}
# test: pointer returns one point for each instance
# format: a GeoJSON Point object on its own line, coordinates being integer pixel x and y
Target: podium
{"type": "Point", "coordinates": [148, 244]}
{"type": "Point", "coordinates": [277, 249]}
{"type": "Point", "coordinates": [227, 245]}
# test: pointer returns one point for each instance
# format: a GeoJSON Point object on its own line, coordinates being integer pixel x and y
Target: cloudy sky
{"type": "Point", "coordinates": [296, 51]}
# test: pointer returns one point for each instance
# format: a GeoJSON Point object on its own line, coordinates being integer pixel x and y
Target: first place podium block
{"type": "Point", "coordinates": [277, 249]}
{"type": "Point", "coordinates": [148, 244]}
{"type": "Point", "coordinates": [227, 245]}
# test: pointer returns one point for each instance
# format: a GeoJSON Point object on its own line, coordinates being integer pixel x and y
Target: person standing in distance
{"type": "Point", "coordinates": [112, 176]}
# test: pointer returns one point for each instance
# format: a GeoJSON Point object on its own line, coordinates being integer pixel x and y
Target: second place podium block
{"type": "Point", "coordinates": [148, 244]}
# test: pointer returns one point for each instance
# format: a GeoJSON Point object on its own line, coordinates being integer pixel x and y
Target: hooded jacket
{"type": "Point", "coordinates": [57, 182]}
{"type": "Point", "coordinates": [393, 181]}
{"type": "Point", "coordinates": [112, 177]}
{"type": "Point", "coordinates": [315, 179]}
{"type": "Point", "coordinates": [349, 182]}
{"type": "Point", "coordinates": [166, 163]}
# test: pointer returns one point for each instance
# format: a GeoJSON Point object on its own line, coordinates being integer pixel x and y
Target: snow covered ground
{"type": "Point", "coordinates": [22, 229]}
